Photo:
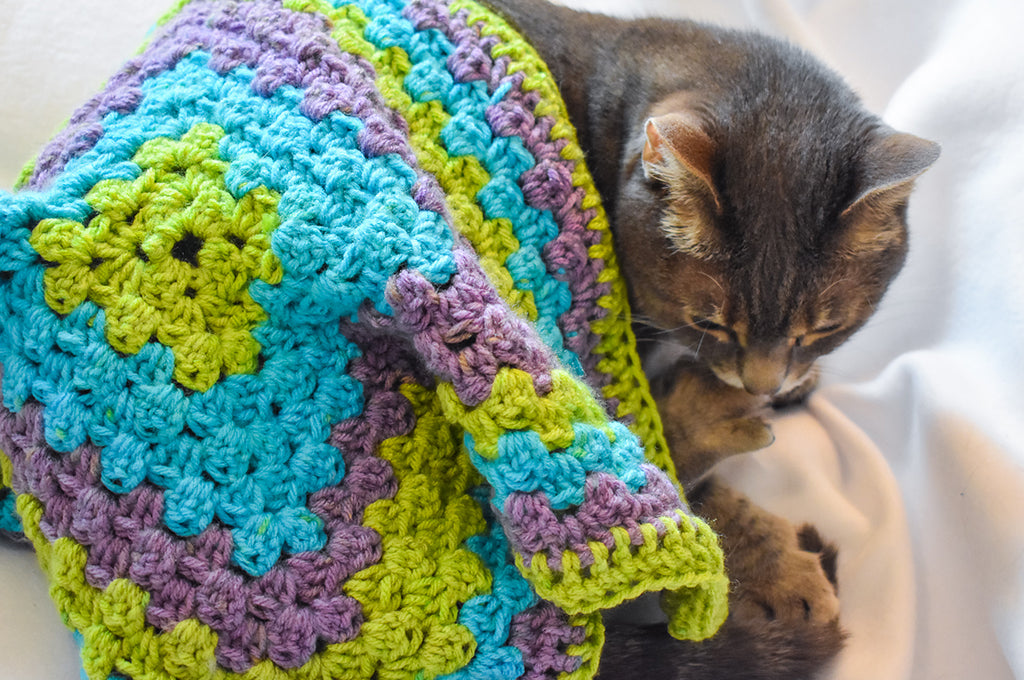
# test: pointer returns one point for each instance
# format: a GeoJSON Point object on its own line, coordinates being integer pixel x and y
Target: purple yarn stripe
{"type": "Point", "coordinates": [548, 186]}
{"type": "Point", "coordinates": [542, 633]}
{"type": "Point", "coordinates": [280, 615]}
{"type": "Point", "coordinates": [535, 527]}
{"type": "Point", "coordinates": [465, 332]}
{"type": "Point", "coordinates": [284, 47]}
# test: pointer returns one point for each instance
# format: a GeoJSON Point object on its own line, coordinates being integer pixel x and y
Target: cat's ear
{"type": "Point", "coordinates": [888, 167]}
{"type": "Point", "coordinates": [677, 150]}
{"type": "Point", "coordinates": [886, 171]}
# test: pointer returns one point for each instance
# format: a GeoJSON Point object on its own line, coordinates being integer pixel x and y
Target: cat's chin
{"type": "Point", "coordinates": [796, 390]}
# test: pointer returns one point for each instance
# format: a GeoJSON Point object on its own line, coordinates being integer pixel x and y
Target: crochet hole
{"type": "Point", "coordinates": [190, 292]}
{"type": "Point", "coordinates": [442, 287]}
{"type": "Point", "coordinates": [236, 241]}
{"type": "Point", "coordinates": [141, 254]}
{"type": "Point", "coordinates": [187, 249]}
{"type": "Point", "coordinates": [89, 218]}
{"type": "Point", "coordinates": [460, 344]}
{"type": "Point", "coordinates": [95, 263]}
{"type": "Point", "coordinates": [187, 391]}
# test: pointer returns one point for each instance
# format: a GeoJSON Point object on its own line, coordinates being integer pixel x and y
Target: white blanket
{"type": "Point", "coordinates": [911, 456]}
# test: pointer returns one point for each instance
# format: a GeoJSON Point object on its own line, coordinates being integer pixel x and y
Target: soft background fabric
{"type": "Point", "coordinates": [911, 456]}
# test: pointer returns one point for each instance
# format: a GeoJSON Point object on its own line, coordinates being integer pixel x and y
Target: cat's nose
{"type": "Point", "coordinates": [763, 372]}
{"type": "Point", "coordinates": [762, 385]}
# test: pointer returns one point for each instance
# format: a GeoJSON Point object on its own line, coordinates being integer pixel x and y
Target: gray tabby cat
{"type": "Point", "coordinates": [759, 213]}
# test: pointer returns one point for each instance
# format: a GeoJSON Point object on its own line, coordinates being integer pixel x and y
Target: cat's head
{"type": "Point", "coordinates": [763, 244]}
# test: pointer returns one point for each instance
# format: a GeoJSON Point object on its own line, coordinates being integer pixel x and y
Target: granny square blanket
{"type": "Point", "coordinates": [317, 361]}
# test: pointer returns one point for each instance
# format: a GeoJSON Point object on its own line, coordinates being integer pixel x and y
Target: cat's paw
{"type": "Point", "coordinates": [706, 420]}
{"type": "Point", "coordinates": [779, 573]}
{"type": "Point", "coordinates": [803, 590]}
{"type": "Point", "coordinates": [735, 434]}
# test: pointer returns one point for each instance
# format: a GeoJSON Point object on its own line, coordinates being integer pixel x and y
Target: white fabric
{"type": "Point", "coordinates": [911, 456]}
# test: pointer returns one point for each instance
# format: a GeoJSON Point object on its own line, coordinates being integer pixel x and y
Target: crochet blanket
{"type": "Point", "coordinates": [317, 361]}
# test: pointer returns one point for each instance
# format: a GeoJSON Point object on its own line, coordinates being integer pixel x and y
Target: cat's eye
{"type": "Point", "coordinates": [708, 325]}
{"type": "Point", "coordinates": [723, 333]}
{"type": "Point", "coordinates": [827, 329]}
{"type": "Point", "coordinates": [817, 334]}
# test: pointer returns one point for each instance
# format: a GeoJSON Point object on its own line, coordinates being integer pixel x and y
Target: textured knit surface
{"type": "Point", "coordinates": [297, 322]}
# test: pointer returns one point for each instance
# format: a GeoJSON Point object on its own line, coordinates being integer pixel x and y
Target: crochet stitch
{"type": "Point", "coordinates": [295, 318]}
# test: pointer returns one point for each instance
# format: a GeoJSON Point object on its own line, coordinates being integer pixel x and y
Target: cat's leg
{"type": "Point", "coordinates": [706, 420]}
{"type": "Point", "coordinates": [783, 619]}
{"type": "Point", "coordinates": [783, 604]}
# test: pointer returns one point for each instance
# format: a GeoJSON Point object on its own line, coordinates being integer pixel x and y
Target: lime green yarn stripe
{"type": "Point", "coordinates": [6, 471]}
{"type": "Point", "coordinates": [589, 651]}
{"type": "Point", "coordinates": [686, 560]}
{"type": "Point", "coordinates": [168, 15]}
{"type": "Point", "coordinates": [425, 571]}
{"type": "Point", "coordinates": [515, 405]}
{"type": "Point", "coordinates": [26, 171]}
{"type": "Point", "coordinates": [310, 6]}
{"type": "Point", "coordinates": [115, 635]}
{"type": "Point", "coordinates": [461, 177]}
{"type": "Point", "coordinates": [617, 344]}
{"type": "Point", "coordinates": [116, 638]}
{"type": "Point", "coordinates": [214, 337]}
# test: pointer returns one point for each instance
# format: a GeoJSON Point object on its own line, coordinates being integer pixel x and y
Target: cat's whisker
{"type": "Point", "coordinates": [700, 343]}
{"type": "Point", "coordinates": [654, 329]}
{"type": "Point", "coordinates": [666, 331]}
{"type": "Point", "coordinates": [832, 285]}
{"type": "Point", "coordinates": [833, 372]}
{"type": "Point", "coordinates": [714, 281]}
